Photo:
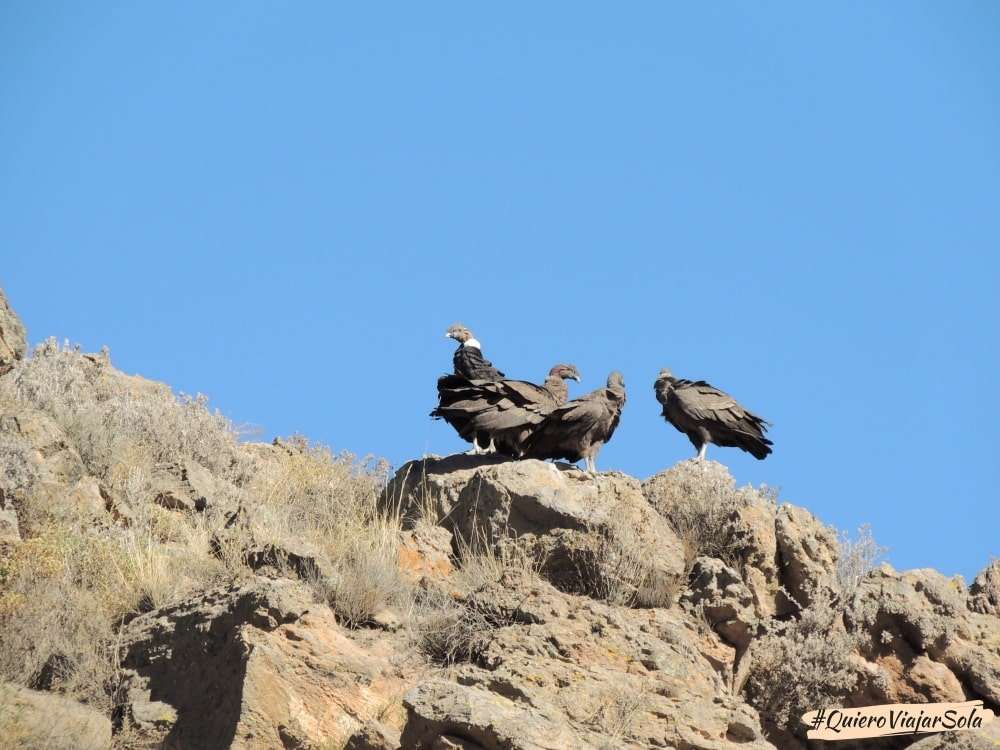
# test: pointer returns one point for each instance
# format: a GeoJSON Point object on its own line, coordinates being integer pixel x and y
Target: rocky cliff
{"type": "Point", "coordinates": [163, 584]}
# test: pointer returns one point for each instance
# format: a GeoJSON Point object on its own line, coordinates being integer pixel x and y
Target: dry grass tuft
{"type": "Point", "coordinates": [620, 571]}
{"type": "Point", "coordinates": [23, 725]}
{"type": "Point", "coordinates": [858, 557]}
{"type": "Point", "coordinates": [108, 415]}
{"type": "Point", "coordinates": [615, 713]}
{"type": "Point", "coordinates": [702, 503]}
{"type": "Point", "coordinates": [801, 664]}
{"type": "Point", "coordinates": [457, 625]}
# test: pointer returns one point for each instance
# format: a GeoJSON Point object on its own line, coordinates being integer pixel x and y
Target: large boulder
{"type": "Point", "coordinates": [275, 668]}
{"type": "Point", "coordinates": [33, 719]}
{"type": "Point", "coordinates": [13, 340]}
{"type": "Point", "coordinates": [611, 676]}
{"type": "Point", "coordinates": [587, 529]}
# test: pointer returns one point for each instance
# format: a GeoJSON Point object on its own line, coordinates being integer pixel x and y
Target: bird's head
{"type": "Point", "coordinates": [665, 374]}
{"type": "Point", "coordinates": [460, 333]}
{"type": "Point", "coordinates": [616, 381]}
{"type": "Point", "coordinates": [566, 372]}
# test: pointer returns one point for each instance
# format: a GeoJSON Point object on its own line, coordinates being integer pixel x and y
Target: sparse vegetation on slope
{"type": "Point", "coordinates": [66, 589]}
{"type": "Point", "coordinates": [151, 560]}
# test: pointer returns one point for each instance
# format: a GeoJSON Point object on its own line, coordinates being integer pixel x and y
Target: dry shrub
{"type": "Point", "coordinates": [702, 503]}
{"type": "Point", "coordinates": [615, 712]}
{"type": "Point", "coordinates": [327, 505]}
{"type": "Point", "coordinates": [483, 563]}
{"type": "Point", "coordinates": [107, 414]}
{"type": "Point", "coordinates": [857, 558]}
{"type": "Point", "coordinates": [456, 625]}
{"type": "Point", "coordinates": [448, 630]}
{"type": "Point", "coordinates": [64, 593]}
{"type": "Point", "coordinates": [620, 570]}
{"type": "Point", "coordinates": [801, 664]}
{"type": "Point", "coordinates": [57, 613]}
{"type": "Point", "coordinates": [22, 726]}
{"type": "Point", "coordinates": [366, 578]}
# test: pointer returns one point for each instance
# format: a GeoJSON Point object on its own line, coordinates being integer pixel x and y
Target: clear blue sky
{"type": "Point", "coordinates": [284, 205]}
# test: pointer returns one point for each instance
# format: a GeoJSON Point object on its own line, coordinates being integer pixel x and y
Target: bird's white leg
{"type": "Point", "coordinates": [476, 450]}
{"type": "Point", "coordinates": [701, 451]}
{"type": "Point", "coordinates": [492, 447]}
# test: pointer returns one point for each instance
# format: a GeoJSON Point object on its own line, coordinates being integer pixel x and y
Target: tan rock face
{"type": "Point", "coordinates": [274, 666]}
{"type": "Point", "coordinates": [609, 676]}
{"type": "Point", "coordinates": [425, 553]}
{"type": "Point", "coordinates": [44, 476]}
{"type": "Point", "coordinates": [439, 713]}
{"type": "Point", "coordinates": [13, 341]}
{"type": "Point", "coordinates": [571, 518]}
{"type": "Point", "coordinates": [187, 486]}
{"type": "Point", "coordinates": [716, 592]}
{"type": "Point", "coordinates": [984, 593]}
{"type": "Point", "coordinates": [808, 552]}
{"type": "Point", "coordinates": [759, 555]}
{"type": "Point", "coordinates": [917, 627]}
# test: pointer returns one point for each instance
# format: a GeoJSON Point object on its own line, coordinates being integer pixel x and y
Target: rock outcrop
{"type": "Point", "coordinates": [275, 667]}
{"type": "Point", "coordinates": [917, 628]}
{"type": "Point", "coordinates": [583, 529]}
{"type": "Point", "coordinates": [611, 676]}
{"type": "Point", "coordinates": [486, 604]}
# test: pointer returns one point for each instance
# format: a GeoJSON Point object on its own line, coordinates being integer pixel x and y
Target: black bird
{"type": "Point", "coordinates": [504, 412]}
{"type": "Point", "coordinates": [707, 415]}
{"type": "Point", "coordinates": [579, 428]}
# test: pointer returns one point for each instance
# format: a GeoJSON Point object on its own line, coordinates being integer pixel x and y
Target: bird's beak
{"type": "Point", "coordinates": [576, 378]}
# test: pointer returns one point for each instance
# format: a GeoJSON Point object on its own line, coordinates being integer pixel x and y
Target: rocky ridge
{"type": "Point", "coordinates": [543, 608]}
